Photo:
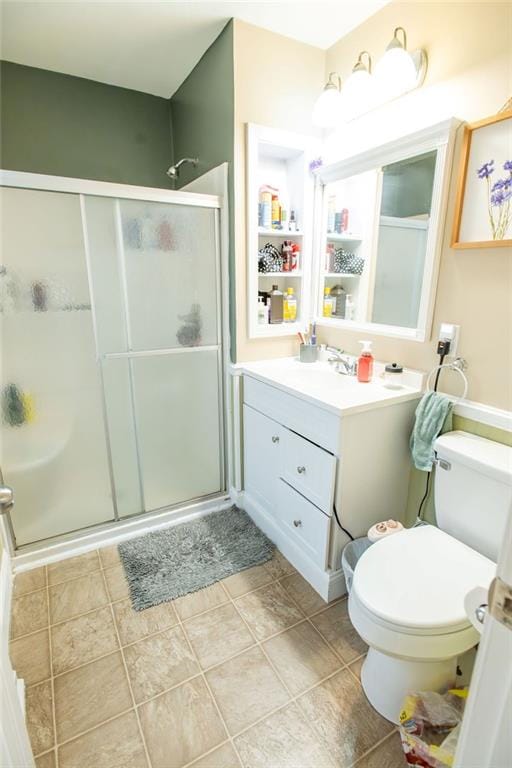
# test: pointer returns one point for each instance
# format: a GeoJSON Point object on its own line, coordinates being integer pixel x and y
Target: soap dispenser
{"type": "Point", "coordinates": [365, 363]}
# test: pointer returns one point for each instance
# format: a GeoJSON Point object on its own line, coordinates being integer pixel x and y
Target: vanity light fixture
{"type": "Point", "coordinates": [358, 93]}
{"type": "Point", "coordinates": [327, 109]}
{"type": "Point", "coordinates": [396, 72]}
{"type": "Point", "coordinates": [399, 71]}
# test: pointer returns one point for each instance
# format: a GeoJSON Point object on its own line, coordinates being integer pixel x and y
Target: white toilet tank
{"type": "Point", "coordinates": [473, 490]}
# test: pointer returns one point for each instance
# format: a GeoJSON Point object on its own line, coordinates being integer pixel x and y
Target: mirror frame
{"type": "Point", "coordinates": [439, 137]}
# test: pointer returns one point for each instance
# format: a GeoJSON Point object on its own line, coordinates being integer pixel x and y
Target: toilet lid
{"type": "Point", "coordinates": [417, 579]}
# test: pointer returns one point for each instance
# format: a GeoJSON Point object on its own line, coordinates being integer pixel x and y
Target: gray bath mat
{"type": "Point", "coordinates": [166, 564]}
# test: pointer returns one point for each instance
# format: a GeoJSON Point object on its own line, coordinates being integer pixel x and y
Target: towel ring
{"type": "Point", "coordinates": [458, 365]}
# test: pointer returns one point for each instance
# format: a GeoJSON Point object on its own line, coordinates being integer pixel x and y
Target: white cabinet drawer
{"type": "Point", "coordinates": [317, 424]}
{"type": "Point", "coordinates": [309, 469]}
{"type": "Point", "coordinates": [305, 524]}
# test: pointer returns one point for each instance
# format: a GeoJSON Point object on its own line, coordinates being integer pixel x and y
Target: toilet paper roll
{"type": "Point", "coordinates": [383, 529]}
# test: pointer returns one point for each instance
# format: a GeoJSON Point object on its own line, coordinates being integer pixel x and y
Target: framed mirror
{"type": "Point", "coordinates": [380, 235]}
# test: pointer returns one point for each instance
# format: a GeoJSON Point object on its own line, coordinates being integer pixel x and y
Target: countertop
{"type": "Point", "coordinates": [319, 384]}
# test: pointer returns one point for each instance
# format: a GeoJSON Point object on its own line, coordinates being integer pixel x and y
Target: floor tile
{"type": "Point", "coordinates": [279, 566]}
{"type": "Point", "coordinates": [30, 657]}
{"type": "Point", "coordinates": [29, 613]}
{"type": "Point", "coordinates": [245, 689]}
{"type": "Point", "coordinates": [268, 610]}
{"type": "Point", "coordinates": [159, 662]}
{"type": "Point", "coordinates": [339, 712]}
{"type": "Point", "coordinates": [135, 625]}
{"type": "Point", "coordinates": [109, 556]}
{"type": "Point", "coordinates": [173, 739]}
{"type": "Point", "coordinates": [303, 594]}
{"type": "Point", "coordinates": [72, 598]}
{"type": "Point", "coordinates": [301, 657]}
{"type": "Point", "coordinates": [39, 715]}
{"type": "Point", "coordinates": [83, 639]}
{"type": "Point", "coordinates": [46, 761]}
{"type": "Point", "coordinates": [29, 581]}
{"type": "Point", "coordinates": [203, 600]}
{"type": "Point", "coordinates": [117, 584]}
{"type": "Point", "coordinates": [356, 665]}
{"type": "Point", "coordinates": [336, 627]}
{"type": "Point", "coordinates": [283, 740]}
{"type": "Point", "coordinates": [247, 580]}
{"type": "Point", "coordinates": [113, 745]}
{"type": "Point", "coordinates": [217, 635]}
{"type": "Point", "coordinates": [73, 567]}
{"type": "Point", "coordinates": [222, 757]}
{"type": "Point", "coordinates": [89, 695]}
{"type": "Point", "coordinates": [389, 754]}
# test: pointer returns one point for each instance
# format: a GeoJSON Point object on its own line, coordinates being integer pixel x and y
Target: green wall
{"type": "Point", "coordinates": [68, 126]}
{"type": "Point", "coordinates": [203, 126]}
{"type": "Point", "coordinates": [418, 479]}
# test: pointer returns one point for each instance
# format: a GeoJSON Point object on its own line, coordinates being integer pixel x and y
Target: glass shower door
{"type": "Point", "coordinates": [53, 448]}
{"type": "Point", "coordinates": [154, 270]}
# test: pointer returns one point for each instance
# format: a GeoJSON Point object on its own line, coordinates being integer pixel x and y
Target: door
{"type": "Point", "coordinates": [486, 734]}
{"type": "Point", "coordinates": [261, 458]}
{"type": "Point", "coordinates": [53, 450]}
{"type": "Point", "coordinates": [155, 276]}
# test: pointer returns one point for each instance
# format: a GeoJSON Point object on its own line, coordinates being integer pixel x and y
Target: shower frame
{"type": "Point", "coordinates": [125, 526]}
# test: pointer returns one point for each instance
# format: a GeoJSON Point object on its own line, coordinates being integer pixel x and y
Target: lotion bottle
{"type": "Point", "coordinates": [365, 363]}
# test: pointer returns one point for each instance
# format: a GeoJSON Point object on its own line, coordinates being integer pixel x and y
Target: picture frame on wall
{"type": "Point", "coordinates": [483, 210]}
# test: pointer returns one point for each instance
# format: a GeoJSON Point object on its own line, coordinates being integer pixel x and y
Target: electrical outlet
{"type": "Point", "coordinates": [450, 332]}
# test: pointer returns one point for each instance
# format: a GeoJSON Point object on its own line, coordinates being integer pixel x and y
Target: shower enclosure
{"type": "Point", "coordinates": [112, 365]}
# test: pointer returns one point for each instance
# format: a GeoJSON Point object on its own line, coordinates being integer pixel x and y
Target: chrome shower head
{"type": "Point", "coordinates": [174, 171]}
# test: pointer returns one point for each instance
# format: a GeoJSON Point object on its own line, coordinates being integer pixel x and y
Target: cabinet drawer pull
{"type": "Point", "coordinates": [275, 439]}
{"type": "Point", "coordinates": [301, 470]}
{"type": "Point", "coordinates": [297, 523]}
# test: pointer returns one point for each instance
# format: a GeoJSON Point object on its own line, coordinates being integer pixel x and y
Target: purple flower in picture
{"type": "Point", "coordinates": [499, 197]}
{"type": "Point", "coordinates": [485, 171]}
{"type": "Point", "coordinates": [316, 163]}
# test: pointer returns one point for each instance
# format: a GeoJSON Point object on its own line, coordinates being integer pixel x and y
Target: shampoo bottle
{"type": "Point", "coordinates": [365, 362]}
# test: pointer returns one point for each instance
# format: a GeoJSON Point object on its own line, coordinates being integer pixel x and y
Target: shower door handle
{"type": "Point", "coordinates": [6, 496]}
{"type": "Point", "coordinates": [6, 499]}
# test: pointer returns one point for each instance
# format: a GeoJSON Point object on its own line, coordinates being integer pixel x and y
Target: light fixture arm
{"type": "Point", "coordinates": [330, 81]}
{"type": "Point", "coordinates": [395, 42]}
{"type": "Point", "coordinates": [360, 66]}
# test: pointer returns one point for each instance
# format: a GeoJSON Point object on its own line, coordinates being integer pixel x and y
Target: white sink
{"type": "Point", "coordinates": [320, 382]}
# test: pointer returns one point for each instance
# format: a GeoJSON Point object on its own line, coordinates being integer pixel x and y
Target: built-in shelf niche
{"type": "Point", "coordinates": [280, 160]}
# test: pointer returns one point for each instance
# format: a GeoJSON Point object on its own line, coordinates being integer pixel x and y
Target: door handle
{"type": "Point", "coordinates": [297, 523]}
{"type": "Point", "coordinates": [275, 439]}
{"type": "Point", "coordinates": [6, 499]}
{"type": "Point", "coordinates": [301, 470]}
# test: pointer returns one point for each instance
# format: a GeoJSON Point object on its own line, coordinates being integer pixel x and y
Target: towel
{"type": "Point", "coordinates": [433, 416]}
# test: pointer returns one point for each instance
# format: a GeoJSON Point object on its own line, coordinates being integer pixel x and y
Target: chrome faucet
{"type": "Point", "coordinates": [344, 364]}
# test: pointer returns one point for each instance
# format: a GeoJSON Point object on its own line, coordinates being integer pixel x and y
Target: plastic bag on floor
{"type": "Point", "coordinates": [429, 727]}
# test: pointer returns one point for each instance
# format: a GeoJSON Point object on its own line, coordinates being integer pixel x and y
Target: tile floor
{"type": "Point", "coordinates": [254, 671]}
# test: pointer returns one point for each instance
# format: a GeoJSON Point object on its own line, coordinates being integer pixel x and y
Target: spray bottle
{"type": "Point", "coordinates": [365, 363]}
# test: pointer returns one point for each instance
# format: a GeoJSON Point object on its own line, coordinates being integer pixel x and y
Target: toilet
{"type": "Point", "coordinates": [407, 596]}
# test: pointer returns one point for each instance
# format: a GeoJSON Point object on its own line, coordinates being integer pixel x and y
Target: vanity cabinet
{"type": "Point", "coordinates": [301, 459]}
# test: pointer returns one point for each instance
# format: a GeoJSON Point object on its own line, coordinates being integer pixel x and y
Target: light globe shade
{"type": "Point", "coordinates": [327, 109]}
{"type": "Point", "coordinates": [359, 93]}
{"type": "Point", "coordinates": [396, 72]}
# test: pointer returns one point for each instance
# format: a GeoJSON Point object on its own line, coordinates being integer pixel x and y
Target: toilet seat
{"type": "Point", "coordinates": [414, 582]}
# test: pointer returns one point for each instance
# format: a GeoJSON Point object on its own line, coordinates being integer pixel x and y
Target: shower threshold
{"type": "Point", "coordinates": [75, 543]}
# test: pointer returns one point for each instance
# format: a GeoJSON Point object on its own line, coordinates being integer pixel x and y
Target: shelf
{"type": "Point", "coordinates": [278, 329]}
{"type": "Point", "coordinates": [278, 233]}
{"type": "Point", "coordinates": [340, 274]}
{"type": "Point", "coordinates": [343, 238]}
{"type": "Point", "coordinates": [295, 273]}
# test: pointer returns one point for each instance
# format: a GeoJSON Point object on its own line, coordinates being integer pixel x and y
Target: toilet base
{"type": "Point", "coordinates": [387, 680]}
